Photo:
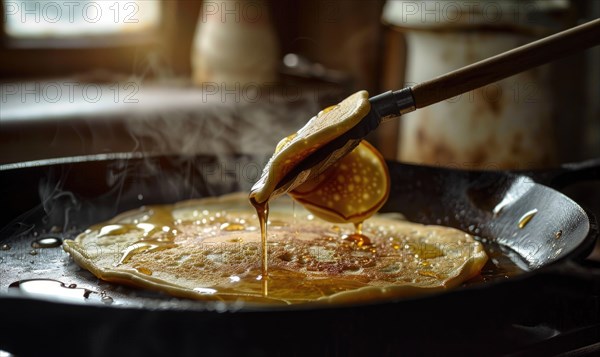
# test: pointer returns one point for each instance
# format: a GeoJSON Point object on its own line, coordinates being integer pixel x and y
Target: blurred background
{"type": "Point", "coordinates": [193, 77]}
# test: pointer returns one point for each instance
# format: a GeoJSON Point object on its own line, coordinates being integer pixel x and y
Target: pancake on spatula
{"type": "Point", "coordinates": [323, 128]}
{"type": "Point", "coordinates": [210, 249]}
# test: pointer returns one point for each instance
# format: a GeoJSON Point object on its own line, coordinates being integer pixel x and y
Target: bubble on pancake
{"type": "Point", "coordinates": [327, 125]}
{"type": "Point", "coordinates": [308, 260]}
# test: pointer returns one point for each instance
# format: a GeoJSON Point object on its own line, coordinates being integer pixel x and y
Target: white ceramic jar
{"type": "Point", "coordinates": [505, 125]}
{"type": "Point", "coordinates": [235, 45]}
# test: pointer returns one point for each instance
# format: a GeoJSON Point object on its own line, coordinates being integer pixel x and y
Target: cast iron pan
{"type": "Point", "coordinates": [552, 307]}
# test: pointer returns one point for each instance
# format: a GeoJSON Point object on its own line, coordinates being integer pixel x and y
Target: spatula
{"type": "Point", "coordinates": [393, 104]}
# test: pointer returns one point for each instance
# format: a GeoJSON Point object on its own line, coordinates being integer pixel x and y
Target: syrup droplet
{"type": "Point", "coordinates": [527, 218]}
{"type": "Point", "coordinates": [358, 239]}
{"type": "Point", "coordinates": [47, 242]}
{"type": "Point", "coordinates": [5, 247]}
{"type": "Point", "coordinates": [33, 252]}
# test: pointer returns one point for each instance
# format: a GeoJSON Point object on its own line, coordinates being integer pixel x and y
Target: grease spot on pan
{"type": "Point", "coordinates": [527, 218]}
{"type": "Point", "coordinates": [47, 242]}
{"type": "Point", "coordinates": [57, 291]}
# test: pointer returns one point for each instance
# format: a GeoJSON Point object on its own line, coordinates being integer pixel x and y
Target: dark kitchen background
{"type": "Point", "coordinates": [94, 77]}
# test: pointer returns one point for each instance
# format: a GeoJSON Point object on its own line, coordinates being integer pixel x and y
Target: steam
{"type": "Point", "coordinates": [240, 134]}
{"type": "Point", "coordinates": [235, 131]}
{"type": "Point", "coordinates": [213, 128]}
{"type": "Point", "coordinates": [184, 150]}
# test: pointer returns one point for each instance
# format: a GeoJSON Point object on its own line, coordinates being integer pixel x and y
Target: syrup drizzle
{"type": "Point", "coordinates": [358, 227]}
{"type": "Point", "coordinates": [262, 211]}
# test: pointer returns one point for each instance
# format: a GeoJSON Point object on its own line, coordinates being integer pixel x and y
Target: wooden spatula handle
{"type": "Point", "coordinates": [507, 64]}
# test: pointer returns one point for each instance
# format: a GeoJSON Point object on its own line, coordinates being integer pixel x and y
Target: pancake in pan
{"type": "Point", "coordinates": [210, 249]}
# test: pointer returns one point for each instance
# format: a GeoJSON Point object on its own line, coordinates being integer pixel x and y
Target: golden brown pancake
{"type": "Point", "coordinates": [210, 249]}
